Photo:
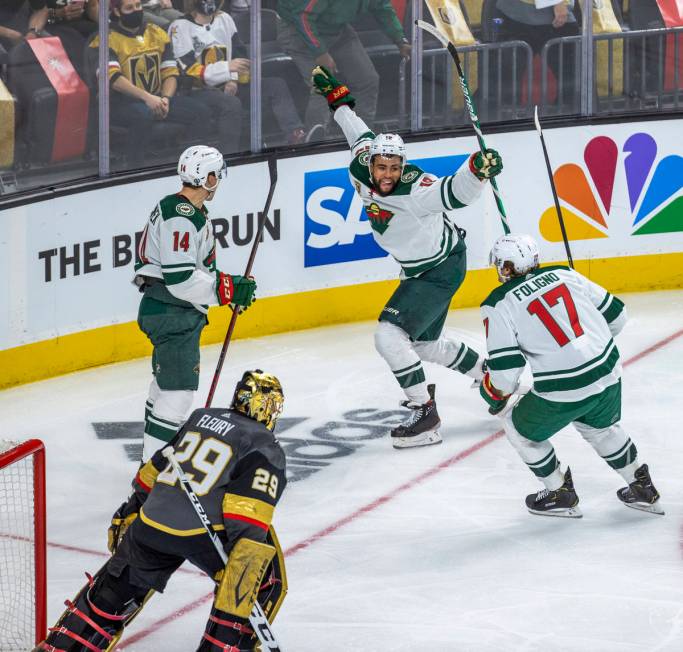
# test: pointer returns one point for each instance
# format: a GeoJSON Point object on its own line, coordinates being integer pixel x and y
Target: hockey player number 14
{"type": "Point", "coordinates": [209, 458]}
{"type": "Point", "coordinates": [552, 298]}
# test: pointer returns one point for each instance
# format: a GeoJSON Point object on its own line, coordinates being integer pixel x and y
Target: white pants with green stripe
{"type": "Point", "coordinates": [612, 444]}
{"type": "Point", "coordinates": [405, 358]}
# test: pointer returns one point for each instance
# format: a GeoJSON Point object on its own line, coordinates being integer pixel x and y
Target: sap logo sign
{"type": "Point", "coordinates": [336, 227]}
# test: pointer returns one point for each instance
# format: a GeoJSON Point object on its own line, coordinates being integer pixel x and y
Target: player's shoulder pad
{"type": "Point", "coordinates": [359, 167]}
{"type": "Point", "coordinates": [410, 177]}
{"type": "Point", "coordinates": [254, 437]}
{"type": "Point", "coordinates": [177, 206]}
{"type": "Point", "coordinates": [500, 292]}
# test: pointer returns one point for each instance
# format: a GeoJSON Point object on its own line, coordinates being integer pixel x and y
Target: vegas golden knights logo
{"type": "Point", "coordinates": [213, 54]}
{"type": "Point", "coordinates": [144, 71]}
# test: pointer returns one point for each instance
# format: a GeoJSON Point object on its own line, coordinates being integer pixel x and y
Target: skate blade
{"type": "Point", "coordinates": [424, 439]}
{"type": "Point", "coordinates": [572, 512]}
{"type": "Point", "coordinates": [655, 508]}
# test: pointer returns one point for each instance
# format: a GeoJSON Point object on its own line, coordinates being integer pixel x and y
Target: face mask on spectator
{"type": "Point", "coordinates": [133, 20]}
{"type": "Point", "coordinates": [207, 7]}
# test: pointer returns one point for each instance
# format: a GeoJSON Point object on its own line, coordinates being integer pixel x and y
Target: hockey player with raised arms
{"type": "Point", "coordinates": [563, 325]}
{"type": "Point", "coordinates": [408, 211]}
{"type": "Point", "coordinates": [237, 470]}
{"type": "Point", "coordinates": [178, 276]}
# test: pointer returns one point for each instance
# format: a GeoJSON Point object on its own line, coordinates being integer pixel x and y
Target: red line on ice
{"type": "Point", "coordinates": [366, 509]}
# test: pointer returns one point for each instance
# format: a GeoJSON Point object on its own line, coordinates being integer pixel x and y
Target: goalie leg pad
{"type": "Point", "coordinates": [243, 577]}
{"type": "Point", "coordinates": [95, 619]}
{"type": "Point", "coordinates": [273, 589]}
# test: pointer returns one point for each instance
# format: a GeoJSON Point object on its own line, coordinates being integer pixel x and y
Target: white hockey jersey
{"type": "Point", "coordinates": [410, 223]}
{"type": "Point", "coordinates": [203, 52]}
{"type": "Point", "coordinates": [178, 246]}
{"type": "Point", "coordinates": [562, 324]}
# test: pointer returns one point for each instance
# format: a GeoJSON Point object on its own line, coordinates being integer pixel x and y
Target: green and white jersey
{"type": "Point", "coordinates": [411, 223]}
{"type": "Point", "coordinates": [562, 324]}
{"type": "Point", "coordinates": [178, 247]}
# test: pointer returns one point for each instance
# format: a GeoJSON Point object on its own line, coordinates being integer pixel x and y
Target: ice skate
{"type": "Point", "coordinates": [422, 426]}
{"type": "Point", "coordinates": [559, 502]}
{"type": "Point", "coordinates": [641, 493]}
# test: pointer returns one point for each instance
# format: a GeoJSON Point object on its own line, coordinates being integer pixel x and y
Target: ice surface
{"type": "Point", "coordinates": [427, 549]}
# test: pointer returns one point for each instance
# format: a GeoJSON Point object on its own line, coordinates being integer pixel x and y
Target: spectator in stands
{"type": "Point", "coordinates": [319, 32]}
{"type": "Point", "coordinates": [21, 19]}
{"type": "Point", "coordinates": [73, 21]}
{"type": "Point", "coordinates": [160, 12]}
{"type": "Point", "coordinates": [520, 20]}
{"type": "Point", "coordinates": [210, 54]}
{"type": "Point", "coordinates": [143, 77]}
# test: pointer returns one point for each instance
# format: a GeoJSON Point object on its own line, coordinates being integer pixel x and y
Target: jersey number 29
{"type": "Point", "coordinates": [552, 298]}
{"type": "Point", "coordinates": [209, 458]}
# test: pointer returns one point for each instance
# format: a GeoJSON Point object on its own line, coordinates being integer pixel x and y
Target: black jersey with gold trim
{"type": "Point", "coordinates": [236, 468]}
{"type": "Point", "coordinates": [144, 58]}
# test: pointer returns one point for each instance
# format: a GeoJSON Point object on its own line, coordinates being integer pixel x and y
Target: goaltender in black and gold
{"type": "Point", "coordinates": [237, 469]}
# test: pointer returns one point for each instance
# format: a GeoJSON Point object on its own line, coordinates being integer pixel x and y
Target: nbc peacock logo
{"type": "Point", "coordinates": [654, 203]}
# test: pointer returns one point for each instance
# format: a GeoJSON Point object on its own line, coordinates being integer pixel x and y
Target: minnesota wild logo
{"type": "Point", "coordinates": [379, 218]}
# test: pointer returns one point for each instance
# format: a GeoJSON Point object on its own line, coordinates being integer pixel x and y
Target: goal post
{"type": "Point", "coordinates": [23, 565]}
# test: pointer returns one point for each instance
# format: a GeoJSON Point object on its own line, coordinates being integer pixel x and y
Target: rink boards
{"type": "Point", "coordinates": [68, 262]}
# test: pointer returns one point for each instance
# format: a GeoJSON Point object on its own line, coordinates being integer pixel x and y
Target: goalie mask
{"type": "Point", "coordinates": [259, 396]}
{"type": "Point", "coordinates": [519, 250]}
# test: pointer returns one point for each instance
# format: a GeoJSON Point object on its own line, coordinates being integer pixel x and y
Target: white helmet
{"type": "Point", "coordinates": [388, 145]}
{"type": "Point", "coordinates": [519, 249]}
{"type": "Point", "coordinates": [196, 163]}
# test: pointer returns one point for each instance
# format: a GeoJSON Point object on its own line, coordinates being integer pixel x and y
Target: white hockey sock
{"type": "Point", "coordinates": [170, 410]}
{"type": "Point", "coordinates": [394, 345]}
{"type": "Point", "coordinates": [452, 354]}
{"type": "Point", "coordinates": [614, 446]}
{"type": "Point", "coordinates": [539, 456]}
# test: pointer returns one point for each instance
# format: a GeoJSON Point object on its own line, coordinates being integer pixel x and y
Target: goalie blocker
{"type": "Point", "coordinates": [239, 473]}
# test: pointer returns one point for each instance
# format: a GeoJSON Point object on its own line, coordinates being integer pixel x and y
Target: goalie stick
{"type": "Point", "coordinates": [470, 109]}
{"type": "Point", "coordinates": [272, 170]}
{"type": "Point", "coordinates": [553, 188]}
{"type": "Point", "coordinates": [257, 619]}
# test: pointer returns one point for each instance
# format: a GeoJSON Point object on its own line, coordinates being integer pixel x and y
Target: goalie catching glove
{"type": "Point", "coordinates": [235, 289]}
{"type": "Point", "coordinates": [486, 165]}
{"type": "Point", "coordinates": [336, 93]}
{"type": "Point", "coordinates": [494, 397]}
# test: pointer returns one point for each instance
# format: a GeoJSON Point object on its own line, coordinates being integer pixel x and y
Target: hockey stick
{"type": "Point", "coordinates": [471, 110]}
{"type": "Point", "coordinates": [257, 619]}
{"type": "Point", "coordinates": [552, 186]}
{"type": "Point", "coordinates": [272, 169]}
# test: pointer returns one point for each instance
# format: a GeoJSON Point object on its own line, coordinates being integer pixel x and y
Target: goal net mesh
{"type": "Point", "coordinates": [17, 547]}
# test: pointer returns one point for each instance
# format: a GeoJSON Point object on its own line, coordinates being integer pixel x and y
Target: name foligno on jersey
{"type": "Point", "coordinates": [534, 285]}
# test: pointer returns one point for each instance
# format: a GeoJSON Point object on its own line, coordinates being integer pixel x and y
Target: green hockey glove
{"type": "Point", "coordinates": [235, 289]}
{"type": "Point", "coordinates": [486, 165]}
{"type": "Point", "coordinates": [494, 397]}
{"type": "Point", "coordinates": [336, 93]}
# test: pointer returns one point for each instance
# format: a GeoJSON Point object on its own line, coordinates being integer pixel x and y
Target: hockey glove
{"type": "Point", "coordinates": [495, 398]}
{"type": "Point", "coordinates": [235, 289]}
{"type": "Point", "coordinates": [486, 165]}
{"type": "Point", "coordinates": [121, 521]}
{"type": "Point", "coordinates": [336, 93]}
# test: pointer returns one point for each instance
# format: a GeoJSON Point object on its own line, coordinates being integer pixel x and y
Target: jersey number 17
{"type": "Point", "coordinates": [552, 298]}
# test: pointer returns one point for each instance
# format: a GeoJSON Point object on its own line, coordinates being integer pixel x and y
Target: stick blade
{"type": "Point", "coordinates": [427, 27]}
{"type": "Point", "coordinates": [537, 122]}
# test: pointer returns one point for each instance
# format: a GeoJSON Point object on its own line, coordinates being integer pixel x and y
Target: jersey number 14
{"type": "Point", "coordinates": [552, 297]}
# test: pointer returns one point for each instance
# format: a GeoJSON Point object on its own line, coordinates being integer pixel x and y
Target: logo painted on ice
{"type": "Point", "coordinates": [654, 192]}
{"type": "Point", "coordinates": [336, 228]}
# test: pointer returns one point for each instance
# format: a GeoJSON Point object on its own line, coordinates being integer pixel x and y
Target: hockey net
{"type": "Point", "coordinates": [22, 545]}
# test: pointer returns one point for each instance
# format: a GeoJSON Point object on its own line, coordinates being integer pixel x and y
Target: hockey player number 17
{"type": "Point", "coordinates": [552, 298]}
